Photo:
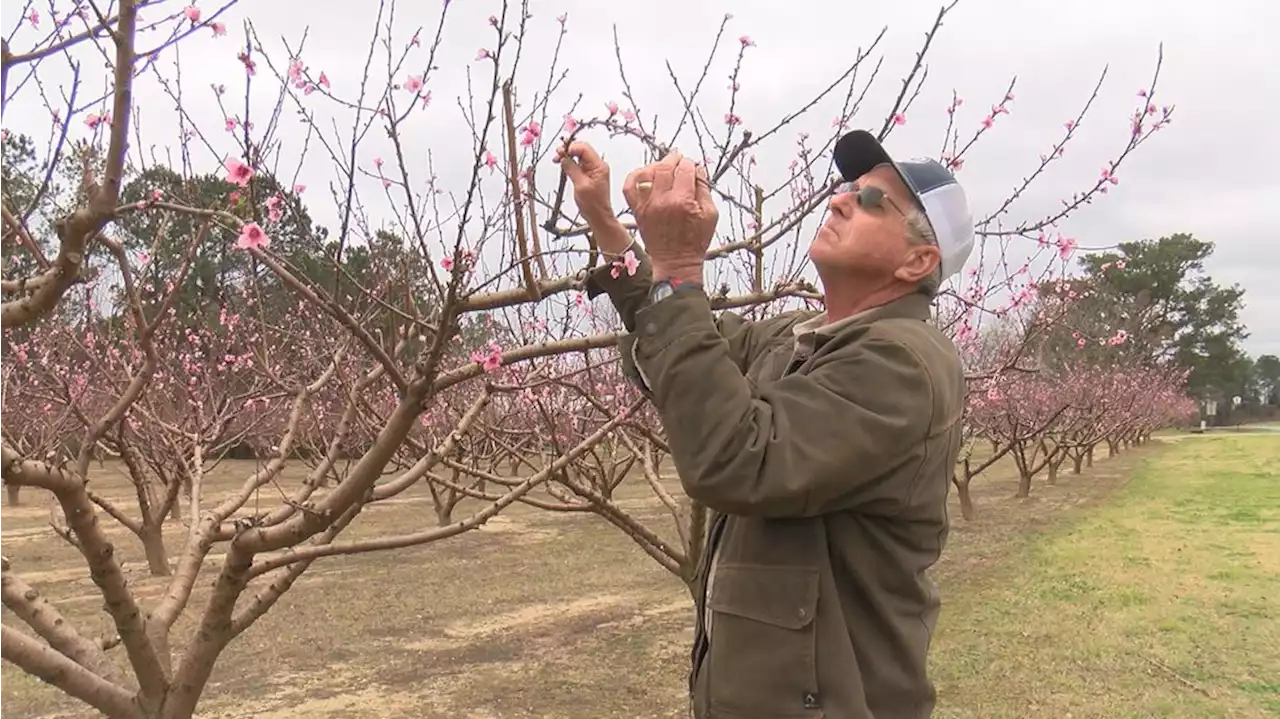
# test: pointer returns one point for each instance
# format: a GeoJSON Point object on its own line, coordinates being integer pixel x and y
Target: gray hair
{"type": "Point", "coordinates": [920, 232]}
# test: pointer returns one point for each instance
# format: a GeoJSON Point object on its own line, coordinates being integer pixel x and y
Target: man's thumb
{"type": "Point", "coordinates": [572, 169]}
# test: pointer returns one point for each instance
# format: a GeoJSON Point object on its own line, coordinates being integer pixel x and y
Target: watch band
{"type": "Point", "coordinates": [663, 289]}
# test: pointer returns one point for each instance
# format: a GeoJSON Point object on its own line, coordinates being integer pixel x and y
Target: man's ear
{"type": "Point", "coordinates": [920, 262]}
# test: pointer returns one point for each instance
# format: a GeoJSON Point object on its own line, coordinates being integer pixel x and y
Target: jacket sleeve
{"type": "Point", "coordinates": [630, 293]}
{"type": "Point", "coordinates": [805, 445]}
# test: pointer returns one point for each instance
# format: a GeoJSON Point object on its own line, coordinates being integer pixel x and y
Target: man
{"type": "Point", "coordinates": [823, 442]}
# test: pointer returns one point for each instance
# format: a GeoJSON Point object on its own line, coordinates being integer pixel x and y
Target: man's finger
{"type": "Point", "coordinates": [664, 173]}
{"type": "Point", "coordinates": [638, 186]}
{"type": "Point", "coordinates": [572, 169]}
{"type": "Point", "coordinates": [585, 154]}
{"type": "Point", "coordinates": [672, 159]}
{"type": "Point", "coordinates": [703, 181]}
{"type": "Point", "coordinates": [685, 179]}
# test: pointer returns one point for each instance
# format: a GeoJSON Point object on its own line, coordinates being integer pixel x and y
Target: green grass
{"type": "Point", "coordinates": [1163, 603]}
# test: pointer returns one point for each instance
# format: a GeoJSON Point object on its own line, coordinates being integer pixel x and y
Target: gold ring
{"type": "Point", "coordinates": [644, 186]}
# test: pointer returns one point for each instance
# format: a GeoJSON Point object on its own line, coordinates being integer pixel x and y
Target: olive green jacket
{"type": "Point", "coordinates": [826, 454]}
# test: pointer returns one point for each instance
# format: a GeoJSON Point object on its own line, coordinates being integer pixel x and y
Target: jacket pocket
{"type": "Point", "coordinates": [761, 660]}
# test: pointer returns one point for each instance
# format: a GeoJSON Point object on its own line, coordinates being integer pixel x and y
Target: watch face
{"type": "Point", "coordinates": [659, 291]}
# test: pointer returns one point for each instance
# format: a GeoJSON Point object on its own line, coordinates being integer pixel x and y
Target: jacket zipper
{"type": "Point", "coordinates": [701, 645]}
{"type": "Point", "coordinates": [700, 642]}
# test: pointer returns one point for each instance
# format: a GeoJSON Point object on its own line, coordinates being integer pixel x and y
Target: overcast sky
{"type": "Point", "coordinates": [1211, 172]}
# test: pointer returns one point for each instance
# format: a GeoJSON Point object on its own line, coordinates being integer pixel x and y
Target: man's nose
{"type": "Point", "coordinates": [842, 203]}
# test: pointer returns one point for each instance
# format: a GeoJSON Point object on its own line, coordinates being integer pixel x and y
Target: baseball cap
{"type": "Point", "coordinates": [934, 187]}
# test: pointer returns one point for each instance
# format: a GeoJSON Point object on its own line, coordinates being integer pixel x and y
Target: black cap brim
{"type": "Point", "coordinates": [859, 152]}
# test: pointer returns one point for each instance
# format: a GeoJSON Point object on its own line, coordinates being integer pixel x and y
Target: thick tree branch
{"type": "Point", "coordinates": [41, 615]}
{"type": "Point", "coordinates": [42, 661]}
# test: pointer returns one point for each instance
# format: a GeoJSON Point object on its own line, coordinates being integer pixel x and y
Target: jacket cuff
{"type": "Point", "coordinates": [628, 293]}
{"type": "Point", "coordinates": [686, 311]}
{"type": "Point", "coordinates": [631, 370]}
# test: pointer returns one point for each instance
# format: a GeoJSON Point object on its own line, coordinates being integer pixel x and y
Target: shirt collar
{"type": "Point", "coordinates": [819, 325]}
{"type": "Point", "coordinates": [913, 306]}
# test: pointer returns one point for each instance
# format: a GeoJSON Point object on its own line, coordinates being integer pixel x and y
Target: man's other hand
{"type": "Point", "coordinates": [676, 216]}
{"type": "Point", "coordinates": [589, 174]}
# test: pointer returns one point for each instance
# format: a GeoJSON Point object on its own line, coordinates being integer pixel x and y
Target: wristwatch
{"type": "Point", "coordinates": [663, 289]}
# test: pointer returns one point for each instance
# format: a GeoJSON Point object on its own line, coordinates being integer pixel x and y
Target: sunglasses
{"type": "Point", "coordinates": [869, 197]}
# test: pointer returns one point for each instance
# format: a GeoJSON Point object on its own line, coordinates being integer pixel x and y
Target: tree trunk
{"type": "Point", "coordinates": [1112, 448]}
{"type": "Point", "coordinates": [187, 489]}
{"type": "Point", "coordinates": [1089, 457]}
{"type": "Point", "coordinates": [444, 513]}
{"type": "Point", "coordinates": [695, 541]}
{"type": "Point", "coordinates": [1053, 471]}
{"type": "Point", "coordinates": [1025, 474]}
{"type": "Point", "coordinates": [152, 538]}
{"type": "Point", "coordinates": [1024, 485]}
{"type": "Point", "coordinates": [1076, 460]}
{"type": "Point", "coordinates": [966, 500]}
{"type": "Point", "coordinates": [445, 499]}
{"type": "Point", "coordinates": [11, 493]}
{"type": "Point", "coordinates": [655, 458]}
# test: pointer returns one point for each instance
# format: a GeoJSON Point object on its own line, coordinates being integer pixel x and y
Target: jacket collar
{"type": "Point", "coordinates": [914, 306]}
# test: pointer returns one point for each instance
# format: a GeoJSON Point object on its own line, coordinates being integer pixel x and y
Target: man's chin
{"type": "Point", "coordinates": [823, 249]}
{"type": "Point", "coordinates": [822, 260]}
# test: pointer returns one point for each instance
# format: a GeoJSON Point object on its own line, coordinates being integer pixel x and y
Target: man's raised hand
{"type": "Point", "coordinates": [590, 177]}
{"type": "Point", "coordinates": [677, 218]}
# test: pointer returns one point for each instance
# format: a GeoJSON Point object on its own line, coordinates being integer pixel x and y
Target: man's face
{"type": "Point", "coordinates": [869, 242]}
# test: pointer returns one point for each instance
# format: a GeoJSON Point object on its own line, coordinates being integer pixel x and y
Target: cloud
{"type": "Point", "coordinates": [1212, 172]}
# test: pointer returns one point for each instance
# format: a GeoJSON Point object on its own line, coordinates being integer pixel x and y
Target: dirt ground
{"type": "Point", "coordinates": [537, 614]}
